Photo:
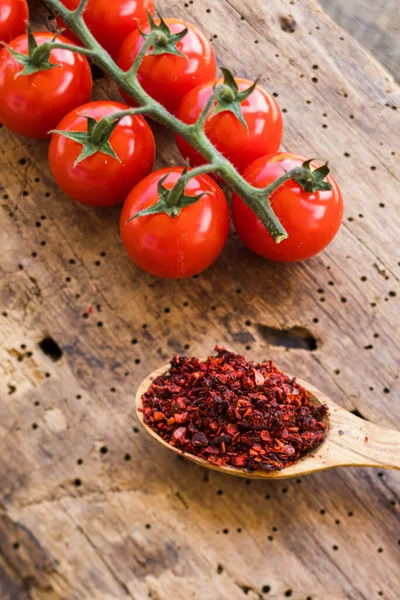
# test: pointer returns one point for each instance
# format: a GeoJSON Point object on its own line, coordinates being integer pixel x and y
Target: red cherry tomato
{"type": "Point", "coordinates": [166, 77]}
{"type": "Point", "coordinates": [111, 21]}
{"type": "Point", "coordinates": [311, 219]}
{"type": "Point", "coordinates": [175, 247]}
{"type": "Point", "coordinates": [31, 105]}
{"type": "Point", "coordinates": [101, 180]}
{"type": "Point", "coordinates": [241, 147]}
{"type": "Point", "coordinates": [13, 17]}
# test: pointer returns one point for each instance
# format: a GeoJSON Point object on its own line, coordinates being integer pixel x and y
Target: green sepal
{"type": "Point", "coordinates": [314, 181]}
{"type": "Point", "coordinates": [37, 58]}
{"type": "Point", "coordinates": [230, 98]}
{"type": "Point", "coordinates": [164, 205]}
{"type": "Point", "coordinates": [93, 140]}
{"type": "Point", "coordinates": [166, 44]}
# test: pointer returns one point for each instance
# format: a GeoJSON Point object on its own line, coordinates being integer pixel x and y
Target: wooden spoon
{"type": "Point", "coordinates": [349, 441]}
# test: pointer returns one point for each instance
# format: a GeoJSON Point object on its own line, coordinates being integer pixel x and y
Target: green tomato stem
{"type": "Point", "coordinates": [256, 199]}
{"type": "Point", "coordinates": [72, 48]}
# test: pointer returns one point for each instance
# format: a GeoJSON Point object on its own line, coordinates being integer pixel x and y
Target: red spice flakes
{"type": "Point", "coordinates": [233, 412]}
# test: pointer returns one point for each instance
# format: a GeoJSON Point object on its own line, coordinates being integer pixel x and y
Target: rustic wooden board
{"type": "Point", "coordinates": [375, 23]}
{"type": "Point", "coordinates": [90, 506]}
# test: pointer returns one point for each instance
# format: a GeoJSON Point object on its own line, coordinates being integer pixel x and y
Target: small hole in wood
{"type": "Point", "coordinates": [103, 450]}
{"type": "Point", "coordinates": [77, 482]}
{"type": "Point", "coordinates": [51, 348]}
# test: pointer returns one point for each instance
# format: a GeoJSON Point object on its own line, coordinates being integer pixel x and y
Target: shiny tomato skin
{"type": "Point", "coordinates": [31, 105]}
{"type": "Point", "coordinates": [101, 180]}
{"type": "Point", "coordinates": [175, 247]}
{"type": "Point", "coordinates": [168, 78]}
{"type": "Point", "coordinates": [111, 21]}
{"type": "Point", "coordinates": [13, 17]}
{"type": "Point", "coordinates": [311, 219]}
{"type": "Point", "coordinates": [241, 147]}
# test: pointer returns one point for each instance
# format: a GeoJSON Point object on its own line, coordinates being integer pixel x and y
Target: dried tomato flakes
{"type": "Point", "coordinates": [230, 411]}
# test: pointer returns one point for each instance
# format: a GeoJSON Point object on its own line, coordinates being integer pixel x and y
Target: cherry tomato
{"type": "Point", "coordinates": [31, 105]}
{"type": "Point", "coordinates": [175, 247]}
{"type": "Point", "coordinates": [111, 21]}
{"type": "Point", "coordinates": [241, 147]}
{"type": "Point", "coordinates": [311, 219]}
{"type": "Point", "coordinates": [167, 77]}
{"type": "Point", "coordinates": [100, 179]}
{"type": "Point", "coordinates": [13, 17]}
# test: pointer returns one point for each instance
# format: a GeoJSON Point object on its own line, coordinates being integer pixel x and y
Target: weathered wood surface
{"type": "Point", "coordinates": [374, 23]}
{"type": "Point", "coordinates": [90, 506]}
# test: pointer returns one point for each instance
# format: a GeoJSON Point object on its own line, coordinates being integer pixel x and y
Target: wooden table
{"type": "Point", "coordinates": [90, 506]}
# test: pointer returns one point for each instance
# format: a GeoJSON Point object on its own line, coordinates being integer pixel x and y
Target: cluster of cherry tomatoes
{"type": "Point", "coordinates": [40, 93]}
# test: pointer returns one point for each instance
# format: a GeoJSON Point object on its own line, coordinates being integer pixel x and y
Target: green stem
{"type": "Point", "coordinates": [73, 48]}
{"type": "Point", "coordinates": [202, 170]}
{"type": "Point", "coordinates": [178, 189]}
{"type": "Point", "coordinates": [78, 12]}
{"type": "Point", "coordinates": [201, 121]}
{"type": "Point", "coordinates": [255, 198]}
{"type": "Point", "coordinates": [149, 41]}
{"type": "Point", "coordinates": [103, 126]}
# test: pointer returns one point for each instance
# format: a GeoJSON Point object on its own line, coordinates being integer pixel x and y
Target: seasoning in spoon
{"type": "Point", "coordinates": [230, 411]}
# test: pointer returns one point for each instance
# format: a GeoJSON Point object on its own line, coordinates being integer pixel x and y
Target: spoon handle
{"type": "Point", "coordinates": [356, 442]}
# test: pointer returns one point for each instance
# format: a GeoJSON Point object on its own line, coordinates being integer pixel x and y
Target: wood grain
{"type": "Point", "coordinates": [375, 23]}
{"type": "Point", "coordinates": [90, 507]}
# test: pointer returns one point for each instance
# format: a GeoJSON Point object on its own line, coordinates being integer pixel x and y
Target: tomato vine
{"type": "Point", "coordinates": [256, 199]}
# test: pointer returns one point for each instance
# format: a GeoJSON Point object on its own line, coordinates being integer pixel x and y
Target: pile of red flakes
{"type": "Point", "coordinates": [230, 411]}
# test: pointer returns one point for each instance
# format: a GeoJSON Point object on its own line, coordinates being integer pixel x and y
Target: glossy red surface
{"type": "Point", "coordinates": [240, 146]}
{"type": "Point", "coordinates": [175, 247]}
{"type": "Point", "coordinates": [111, 21]}
{"type": "Point", "coordinates": [13, 17]}
{"type": "Point", "coordinates": [31, 105]}
{"type": "Point", "coordinates": [101, 180]}
{"type": "Point", "coordinates": [168, 78]}
{"type": "Point", "coordinates": [311, 219]}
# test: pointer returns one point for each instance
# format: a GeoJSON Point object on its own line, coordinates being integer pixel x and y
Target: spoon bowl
{"type": "Point", "coordinates": [349, 441]}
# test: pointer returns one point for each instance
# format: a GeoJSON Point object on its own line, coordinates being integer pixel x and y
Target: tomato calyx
{"type": "Point", "coordinates": [171, 201]}
{"type": "Point", "coordinates": [37, 58]}
{"type": "Point", "coordinates": [229, 98]}
{"type": "Point", "coordinates": [313, 181]}
{"type": "Point", "coordinates": [97, 136]}
{"type": "Point", "coordinates": [163, 41]}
